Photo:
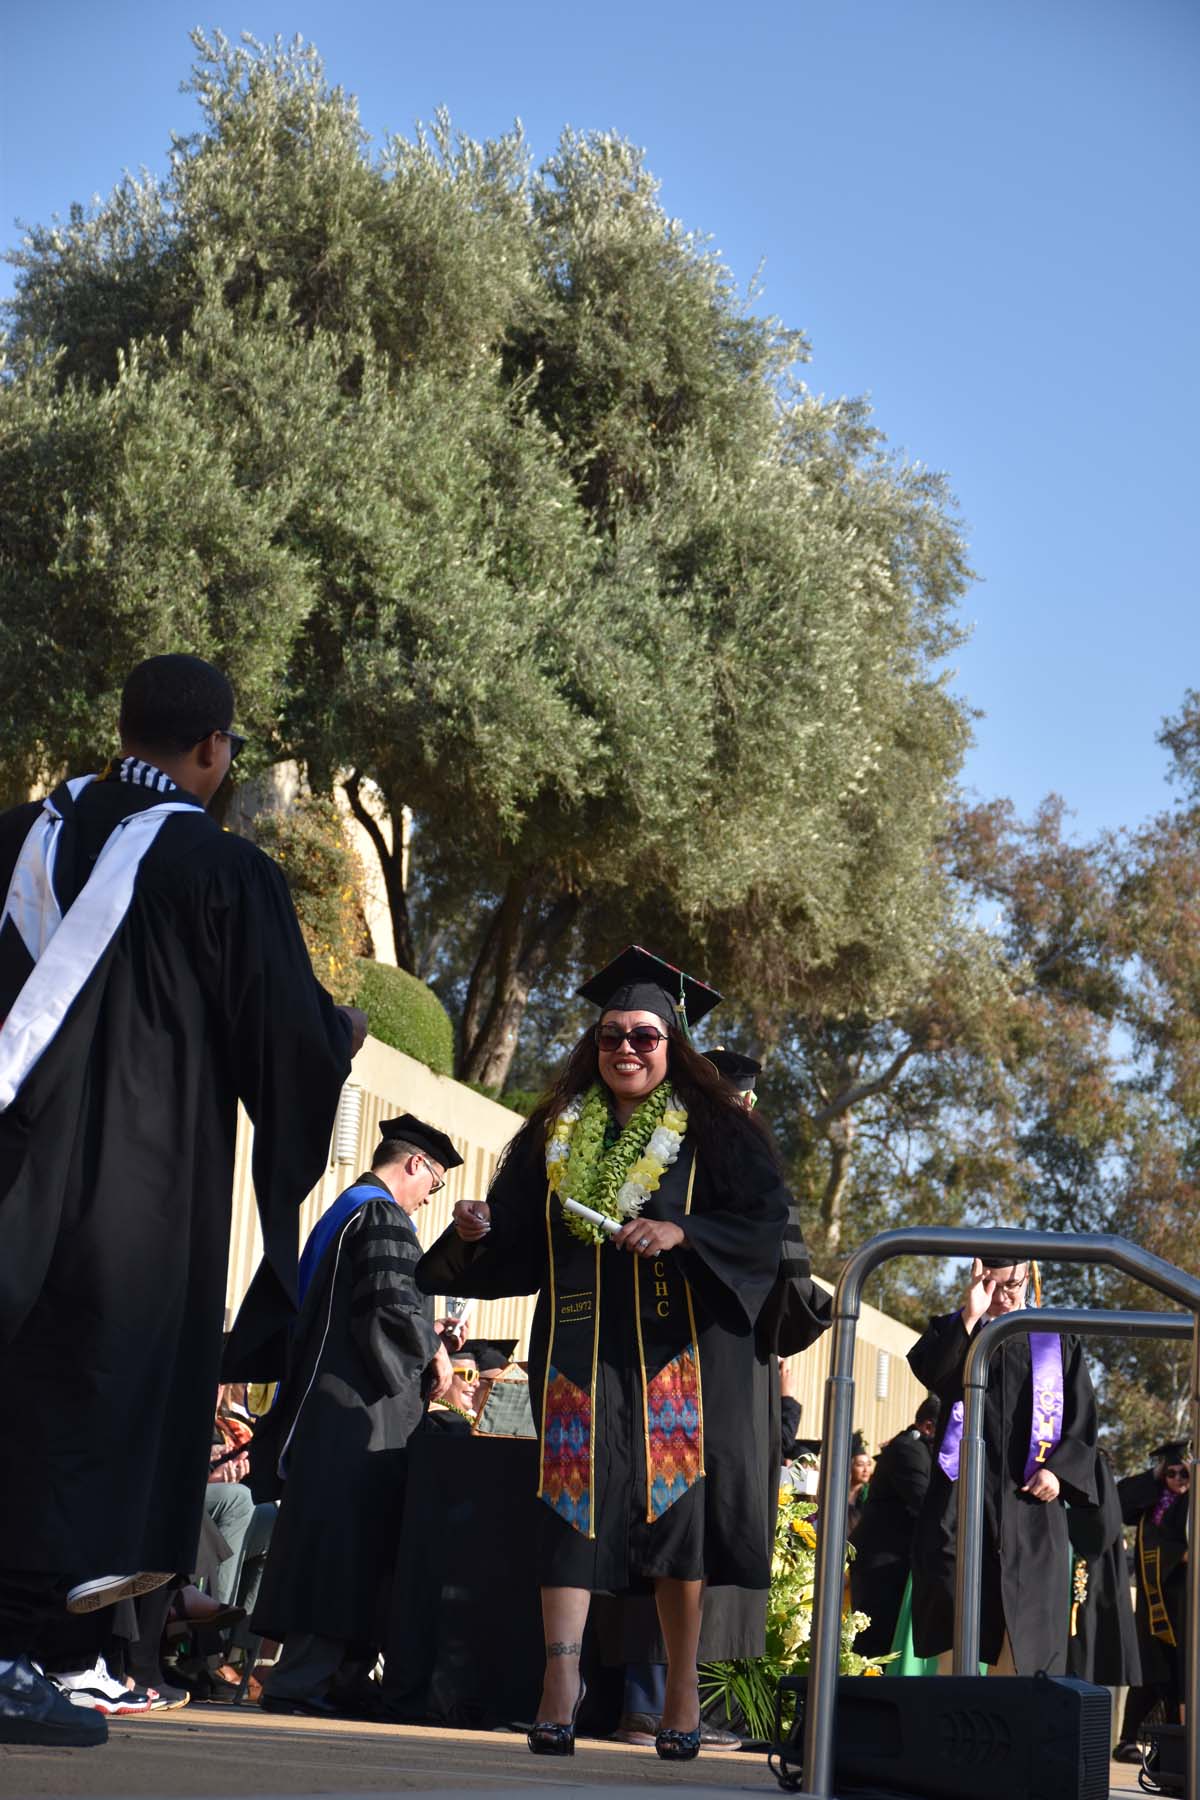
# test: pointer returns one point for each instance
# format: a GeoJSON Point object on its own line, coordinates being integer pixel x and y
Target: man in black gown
{"type": "Point", "coordinates": [883, 1537]}
{"type": "Point", "coordinates": [1034, 1460]}
{"type": "Point", "coordinates": [152, 973]}
{"type": "Point", "coordinates": [364, 1358]}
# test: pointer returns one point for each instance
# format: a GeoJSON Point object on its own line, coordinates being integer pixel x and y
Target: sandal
{"type": "Point", "coordinates": [548, 1738]}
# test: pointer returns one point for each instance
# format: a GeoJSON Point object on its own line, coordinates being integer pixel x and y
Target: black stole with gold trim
{"type": "Point", "coordinates": [668, 1364]}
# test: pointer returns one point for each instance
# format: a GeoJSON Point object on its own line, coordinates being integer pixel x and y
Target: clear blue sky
{"type": "Point", "coordinates": [982, 212]}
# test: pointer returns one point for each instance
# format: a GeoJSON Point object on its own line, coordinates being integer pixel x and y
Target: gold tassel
{"type": "Point", "coordinates": [1035, 1275]}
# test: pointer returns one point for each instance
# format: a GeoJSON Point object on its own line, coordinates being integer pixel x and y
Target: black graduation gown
{"type": "Point", "coordinates": [353, 1395]}
{"type": "Point", "coordinates": [883, 1537]}
{"type": "Point", "coordinates": [721, 1527]}
{"type": "Point", "coordinates": [1026, 1555]}
{"type": "Point", "coordinates": [116, 1186]}
{"type": "Point", "coordinates": [1103, 1642]}
{"type": "Point", "coordinates": [1160, 1573]}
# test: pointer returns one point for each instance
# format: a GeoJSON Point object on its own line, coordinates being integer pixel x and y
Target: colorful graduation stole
{"type": "Point", "coordinates": [1045, 1431]}
{"type": "Point", "coordinates": [668, 1365]}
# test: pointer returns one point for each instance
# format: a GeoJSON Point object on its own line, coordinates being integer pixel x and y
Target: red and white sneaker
{"type": "Point", "coordinates": [98, 1689]}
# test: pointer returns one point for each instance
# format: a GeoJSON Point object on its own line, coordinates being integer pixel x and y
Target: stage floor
{"type": "Point", "coordinates": [215, 1753]}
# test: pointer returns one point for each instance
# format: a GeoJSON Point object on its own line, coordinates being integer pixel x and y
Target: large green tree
{"type": "Point", "coordinates": [493, 492]}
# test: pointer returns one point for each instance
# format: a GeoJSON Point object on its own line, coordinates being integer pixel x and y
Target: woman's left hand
{"type": "Point", "coordinates": [649, 1237]}
{"type": "Point", "coordinates": [1042, 1485]}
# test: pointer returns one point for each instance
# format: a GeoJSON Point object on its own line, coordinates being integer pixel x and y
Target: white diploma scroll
{"type": "Point", "coordinates": [612, 1226]}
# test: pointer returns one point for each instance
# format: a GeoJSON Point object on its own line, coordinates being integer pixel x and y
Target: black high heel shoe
{"type": "Point", "coordinates": [548, 1738]}
{"type": "Point", "coordinates": [678, 1746]}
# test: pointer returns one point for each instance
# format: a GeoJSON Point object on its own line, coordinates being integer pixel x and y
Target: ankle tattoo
{"type": "Point", "coordinates": [561, 1649]}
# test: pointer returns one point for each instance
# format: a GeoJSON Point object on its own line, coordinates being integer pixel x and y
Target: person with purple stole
{"type": "Point", "coordinates": [1040, 1451]}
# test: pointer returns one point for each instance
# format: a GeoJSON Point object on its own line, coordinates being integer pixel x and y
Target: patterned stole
{"type": "Point", "coordinates": [668, 1367]}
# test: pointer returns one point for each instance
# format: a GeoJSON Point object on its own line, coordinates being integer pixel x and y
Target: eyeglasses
{"type": "Point", "coordinates": [439, 1181]}
{"type": "Point", "coordinates": [1177, 1469]}
{"type": "Point", "coordinates": [641, 1038]}
{"type": "Point", "coordinates": [1012, 1287]}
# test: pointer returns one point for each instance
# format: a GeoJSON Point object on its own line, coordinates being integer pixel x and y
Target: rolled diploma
{"type": "Point", "coordinates": [612, 1226]}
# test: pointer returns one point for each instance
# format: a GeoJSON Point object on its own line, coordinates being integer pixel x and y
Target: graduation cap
{"type": "Point", "coordinates": [410, 1130]}
{"type": "Point", "coordinates": [490, 1353]}
{"type": "Point", "coordinates": [639, 981]}
{"type": "Point", "coordinates": [739, 1071]}
{"type": "Point", "coordinates": [1175, 1450]}
{"type": "Point", "coordinates": [858, 1445]}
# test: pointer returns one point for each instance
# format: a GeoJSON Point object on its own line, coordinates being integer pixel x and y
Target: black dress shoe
{"type": "Point", "coordinates": [34, 1711]}
{"type": "Point", "coordinates": [313, 1708]}
{"type": "Point", "coordinates": [678, 1746]}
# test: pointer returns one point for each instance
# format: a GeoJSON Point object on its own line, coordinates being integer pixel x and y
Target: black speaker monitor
{"type": "Point", "coordinates": [959, 1737]}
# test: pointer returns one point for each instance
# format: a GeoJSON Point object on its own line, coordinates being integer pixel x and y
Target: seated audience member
{"type": "Point", "coordinates": [1040, 1449]}
{"type": "Point", "coordinates": [364, 1357]}
{"type": "Point", "coordinates": [883, 1536]}
{"type": "Point", "coordinates": [862, 1465]}
{"type": "Point", "coordinates": [454, 1411]}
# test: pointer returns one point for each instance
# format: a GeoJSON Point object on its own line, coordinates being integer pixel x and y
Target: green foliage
{"type": "Point", "coordinates": [325, 879]}
{"type": "Point", "coordinates": [406, 1014]}
{"type": "Point", "coordinates": [749, 1685]}
{"type": "Point", "coordinates": [487, 483]}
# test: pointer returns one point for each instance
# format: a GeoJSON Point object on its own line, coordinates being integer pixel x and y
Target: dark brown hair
{"type": "Point", "coordinates": [717, 1119]}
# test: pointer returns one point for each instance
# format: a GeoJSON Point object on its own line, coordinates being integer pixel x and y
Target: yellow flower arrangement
{"type": "Point", "coordinates": [748, 1686]}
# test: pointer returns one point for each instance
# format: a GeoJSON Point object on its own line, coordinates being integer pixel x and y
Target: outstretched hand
{"type": "Point", "coordinates": [978, 1297]}
{"type": "Point", "coordinates": [472, 1220]}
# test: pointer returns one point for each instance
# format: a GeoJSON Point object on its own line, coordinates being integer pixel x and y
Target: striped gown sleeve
{"type": "Point", "coordinates": [389, 1319]}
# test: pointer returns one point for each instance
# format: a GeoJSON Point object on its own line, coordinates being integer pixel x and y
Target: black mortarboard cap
{"type": "Point", "coordinates": [411, 1130]}
{"type": "Point", "coordinates": [858, 1445]}
{"type": "Point", "coordinates": [1175, 1450]}
{"type": "Point", "coordinates": [490, 1353]}
{"type": "Point", "coordinates": [639, 981]}
{"type": "Point", "coordinates": [739, 1071]}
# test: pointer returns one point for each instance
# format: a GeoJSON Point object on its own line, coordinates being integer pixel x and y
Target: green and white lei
{"type": "Point", "coordinates": [616, 1182]}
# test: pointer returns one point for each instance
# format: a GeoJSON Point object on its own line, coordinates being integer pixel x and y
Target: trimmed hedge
{"type": "Point", "coordinates": [518, 1100]}
{"type": "Point", "coordinates": [406, 1014]}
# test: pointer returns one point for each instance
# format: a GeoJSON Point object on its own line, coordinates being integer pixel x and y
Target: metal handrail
{"type": "Point", "coordinates": [968, 1550]}
{"type": "Point", "coordinates": [998, 1247]}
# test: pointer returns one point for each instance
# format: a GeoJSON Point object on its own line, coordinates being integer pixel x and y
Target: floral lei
{"type": "Point", "coordinates": [619, 1181]}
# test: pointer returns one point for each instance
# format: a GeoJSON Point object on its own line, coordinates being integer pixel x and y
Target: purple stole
{"type": "Point", "coordinates": [1045, 1431]}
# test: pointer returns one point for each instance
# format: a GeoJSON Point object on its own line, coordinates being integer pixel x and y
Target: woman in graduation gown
{"type": "Point", "coordinates": [1157, 1502]}
{"type": "Point", "coordinates": [652, 1390]}
{"type": "Point", "coordinates": [1035, 1457]}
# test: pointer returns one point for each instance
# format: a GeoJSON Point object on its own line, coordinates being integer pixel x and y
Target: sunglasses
{"type": "Point", "coordinates": [642, 1038]}
{"type": "Point", "coordinates": [467, 1376]}
{"type": "Point", "coordinates": [1178, 1469]}
{"type": "Point", "coordinates": [235, 740]}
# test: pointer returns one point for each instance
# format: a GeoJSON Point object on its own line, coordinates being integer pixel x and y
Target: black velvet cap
{"type": "Point", "coordinates": [739, 1071]}
{"type": "Point", "coordinates": [1175, 1450]}
{"type": "Point", "coordinates": [639, 981]}
{"type": "Point", "coordinates": [434, 1143]}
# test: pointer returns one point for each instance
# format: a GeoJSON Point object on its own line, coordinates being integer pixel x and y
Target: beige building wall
{"type": "Point", "coordinates": [386, 1082]}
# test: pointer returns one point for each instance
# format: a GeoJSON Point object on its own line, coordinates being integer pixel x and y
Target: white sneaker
{"type": "Point", "coordinates": [98, 1689]}
{"type": "Point", "coordinates": [106, 1590]}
